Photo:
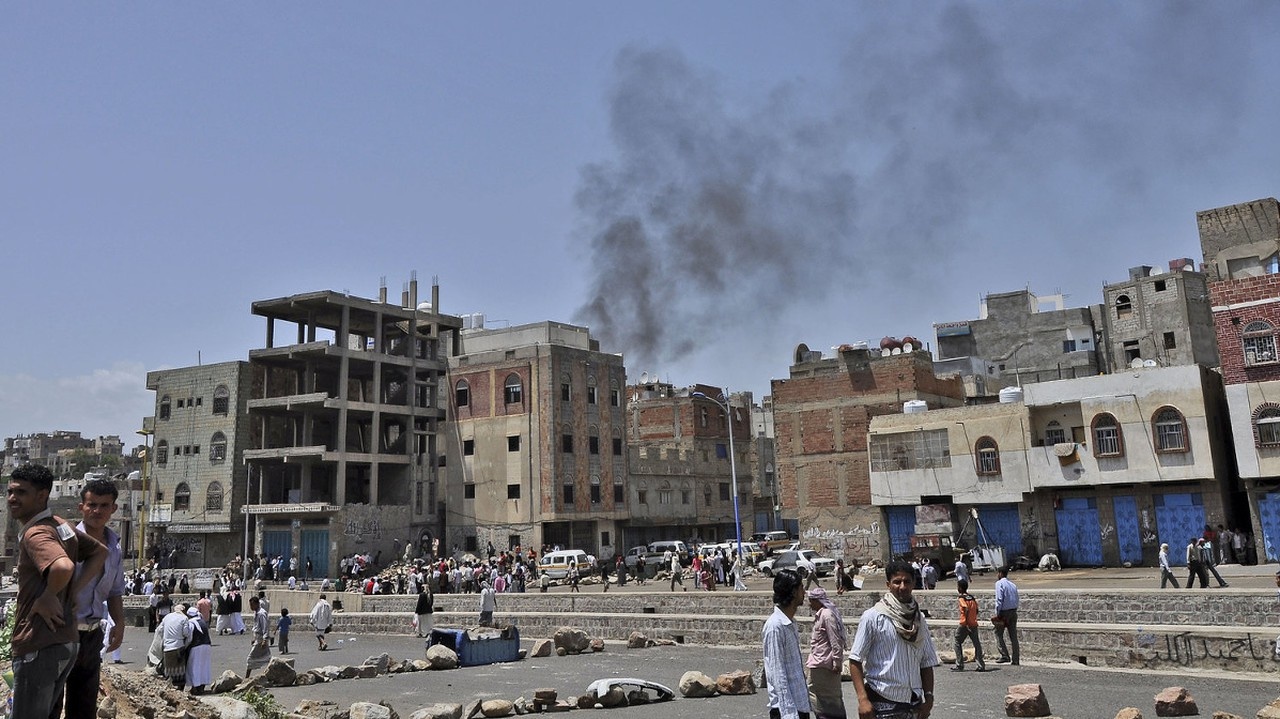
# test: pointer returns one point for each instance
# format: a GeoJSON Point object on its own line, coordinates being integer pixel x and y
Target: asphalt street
{"type": "Point", "coordinates": [1073, 691]}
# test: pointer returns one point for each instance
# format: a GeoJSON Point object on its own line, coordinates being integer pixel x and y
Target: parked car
{"type": "Point", "coordinates": [674, 546]}
{"type": "Point", "coordinates": [772, 541]}
{"type": "Point", "coordinates": [633, 554]}
{"type": "Point", "coordinates": [790, 558]}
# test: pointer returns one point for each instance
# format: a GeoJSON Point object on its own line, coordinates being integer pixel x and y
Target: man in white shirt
{"type": "Point", "coordinates": [321, 619]}
{"type": "Point", "coordinates": [783, 664]}
{"type": "Point", "coordinates": [892, 658]}
{"type": "Point", "coordinates": [488, 604]}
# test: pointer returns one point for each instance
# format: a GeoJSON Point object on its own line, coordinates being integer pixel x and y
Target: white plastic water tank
{"type": "Point", "coordinates": [1009, 395]}
{"type": "Point", "coordinates": [915, 406]}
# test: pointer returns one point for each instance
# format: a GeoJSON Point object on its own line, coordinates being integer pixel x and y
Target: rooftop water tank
{"type": "Point", "coordinates": [1009, 395]}
{"type": "Point", "coordinates": [915, 406]}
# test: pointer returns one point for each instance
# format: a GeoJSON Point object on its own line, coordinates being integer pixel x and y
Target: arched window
{"type": "Point", "coordinates": [166, 406]}
{"type": "Point", "coordinates": [462, 394]}
{"type": "Point", "coordinates": [595, 489]}
{"type": "Point", "coordinates": [213, 497]}
{"type": "Point", "coordinates": [1169, 428]}
{"type": "Point", "coordinates": [619, 490]}
{"type": "Point", "coordinates": [702, 417]}
{"type": "Point", "coordinates": [513, 390]}
{"type": "Point", "coordinates": [218, 447]}
{"type": "Point", "coordinates": [221, 399]}
{"type": "Point", "coordinates": [1108, 438]}
{"type": "Point", "coordinates": [987, 455]}
{"type": "Point", "coordinates": [1258, 339]}
{"type": "Point", "coordinates": [1124, 306]}
{"type": "Point", "coordinates": [162, 452]}
{"type": "Point", "coordinates": [182, 498]}
{"type": "Point", "coordinates": [1266, 424]}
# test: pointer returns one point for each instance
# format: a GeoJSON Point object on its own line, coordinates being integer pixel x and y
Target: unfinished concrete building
{"type": "Point", "coordinates": [1163, 318]}
{"type": "Point", "coordinates": [346, 416]}
{"type": "Point", "coordinates": [1023, 338]}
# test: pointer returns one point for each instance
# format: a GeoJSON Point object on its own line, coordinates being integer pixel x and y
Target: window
{"type": "Point", "coordinates": [1054, 434]}
{"type": "Point", "coordinates": [213, 497]}
{"type": "Point", "coordinates": [1108, 439]}
{"type": "Point", "coordinates": [564, 392]}
{"type": "Point", "coordinates": [218, 447]}
{"type": "Point", "coordinates": [1068, 346]}
{"type": "Point", "coordinates": [987, 454]}
{"type": "Point", "coordinates": [593, 444]}
{"type": "Point", "coordinates": [1124, 306]}
{"type": "Point", "coordinates": [513, 390]}
{"type": "Point", "coordinates": [591, 395]}
{"type": "Point", "coordinates": [180, 401]}
{"type": "Point", "coordinates": [199, 401]}
{"type": "Point", "coordinates": [604, 539]}
{"type": "Point", "coordinates": [722, 452]}
{"type": "Point", "coordinates": [1266, 422]}
{"type": "Point", "coordinates": [595, 490]}
{"type": "Point", "coordinates": [923, 449]}
{"type": "Point", "coordinates": [182, 498]}
{"type": "Point", "coordinates": [164, 407]}
{"type": "Point", "coordinates": [440, 459]}
{"type": "Point", "coordinates": [162, 453]}
{"type": "Point", "coordinates": [619, 492]}
{"type": "Point", "coordinates": [1259, 342]}
{"type": "Point", "coordinates": [724, 492]}
{"type": "Point", "coordinates": [468, 447]}
{"type": "Point", "coordinates": [513, 443]}
{"type": "Point", "coordinates": [642, 496]}
{"type": "Point", "coordinates": [617, 446]}
{"type": "Point", "coordinates": [470, 543]}
{"type": "Point", "coordinates": [664, 496]}
{"type": "Point", "coordinates": [1131, 350]}
{"type": "Point", "coordinates": [568, 493]}
{"type": "Point", "coordinates": [462, 394]}
{"type": "Point", "coordinates": [566, 443]}
{"type": "Point", "coordinates": [686, 496]}
{"type": "Point", "coordinates": [1170, 341]}
{"type": "Point", "coordinates": [513, 491]}
{"type": "Point", "coordinates": [1170, 430]}
{"type": "Point", "coordinates": [469, 490]}
{"type": "Point", "coordinates": [615, 398]}
{"type": "Point", "coordinates": [702, 417]}
{"type": "Point", "coordinates": [221, 400]}
{"type": "Point", "coordinates": [195, 449]}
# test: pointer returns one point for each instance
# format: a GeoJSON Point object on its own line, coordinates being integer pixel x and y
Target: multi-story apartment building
{"type": "Point", "coordinates": [345, 418]}
{"type": "Point", "coordinates": [1163, 318]}
{"type": "Point", "coordinates": [1022, 338]}
{"type": "Point", "coordinates": [535, 453]}
{"type": "Point", "coordinates": [681, 474]}
{"type": "Point", "coordinates": [766, 511]}
{"type": "Point", "coordinates": [1241, 245]}
{"type": "Point", "coordinates": [196, 476]}
{"type": "Point", "coordinates": [43, 448]}
{"type": "Point", "coordinates": [822, 413]}
{"type": "Point", "coordinates": [1098, 469]}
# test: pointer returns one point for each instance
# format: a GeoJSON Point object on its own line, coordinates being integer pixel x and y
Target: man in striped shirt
{"type": "Point", "coordinates": [892, 658]}
{"type": "Point", "coordinates": [783, 665]}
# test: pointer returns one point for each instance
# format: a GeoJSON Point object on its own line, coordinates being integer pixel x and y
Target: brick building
{"type": "Point", "coordinates": [197, 473]}
{"type": "Point", "coordinates": [534, 452]}
{"type": "Point", "coordinates": [678, 443]}
{"type": "Point", "coordinates": [1163, 317]}
{"type": "Point", "coordinates": [1241, 245]}
{"type": "Point", "coordinates": [822, 414]}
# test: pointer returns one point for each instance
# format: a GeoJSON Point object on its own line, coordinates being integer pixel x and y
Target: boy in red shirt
{"type": "Point", "coordinates": [968, 628]}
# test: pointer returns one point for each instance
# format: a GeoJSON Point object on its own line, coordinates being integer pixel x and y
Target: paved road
{"type": "Point", "coordinates": [1073, 691]}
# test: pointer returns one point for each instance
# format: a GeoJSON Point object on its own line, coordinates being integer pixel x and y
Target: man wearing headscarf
{"type": "Point", "coordinates": [892, 658]}
{"type": "Point", "coordinates": [176, 633]}
{"type": "Point", "coordinates": [827, 643]}
{"type": "Point", "coordinates": [199, 655]}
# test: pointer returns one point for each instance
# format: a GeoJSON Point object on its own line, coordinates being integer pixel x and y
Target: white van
{"type": "Point", "coordinates": [556, 564]}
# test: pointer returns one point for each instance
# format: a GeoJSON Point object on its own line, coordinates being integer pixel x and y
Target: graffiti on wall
{"type": "Point", "coordinates": [182, 545]}
{"type": "Point", "coordinates": [858, 542]}
{"type": "Point", "coordinates": [364, 529]}
{"type": "Point", "coordinates": [1107, 531]}
{"type": "Point", "coordinates": [1184, 649]}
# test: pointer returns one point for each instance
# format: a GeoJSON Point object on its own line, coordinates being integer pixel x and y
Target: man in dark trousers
{"type": "Point", "coordinates": [45, 638]}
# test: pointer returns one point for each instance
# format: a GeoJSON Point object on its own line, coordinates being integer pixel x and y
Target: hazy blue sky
{"type": "Point", "coordinates": [705, 184]}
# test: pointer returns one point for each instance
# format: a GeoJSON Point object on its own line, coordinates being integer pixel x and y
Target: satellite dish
{"type": "Point", "coordinates": [1150, 363]}
{"type": "Point", "coordinates": [1136, 363]}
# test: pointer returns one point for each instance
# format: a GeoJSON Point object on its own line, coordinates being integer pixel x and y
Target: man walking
{"type": "Point", "coordinates": [425, 611]}
{"type": "Point", "coordinates": [1208, 561]}
{"type": "Point", "coordinates": [322, 619]}
{"type": "Point", "coordinates": [1166, 574]}
{"type": "Point", "coordinates": [827, 644]}
{"type": "Point", "coordinates": [676, 572]}
{"type": "Point", "coordinates": [1195, 565]}
{"type": "Point", "coordinates": [488, 604]}
{"type": "Point", "coordinates": [45, 638]}
{"type": "Point", "coordinates": [1007, 613]}
{"type": "Point", "coordinates": [783, 665]}
{"type": "Point", "coordinates": [968, 628]}
{"type": "Point", "coordinates": [892, 658]}
{"type": "Point", "coordinates": [97, 504]}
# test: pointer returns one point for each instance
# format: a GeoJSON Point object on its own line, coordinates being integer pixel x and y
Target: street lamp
{"type": "Point", "coordinates": [140, 513]}
{"type": "Point", "coordinates": [723, 402]}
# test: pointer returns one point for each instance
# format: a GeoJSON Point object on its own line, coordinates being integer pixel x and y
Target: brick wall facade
{"type": "Point", "coordinates": [1261, 297]}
